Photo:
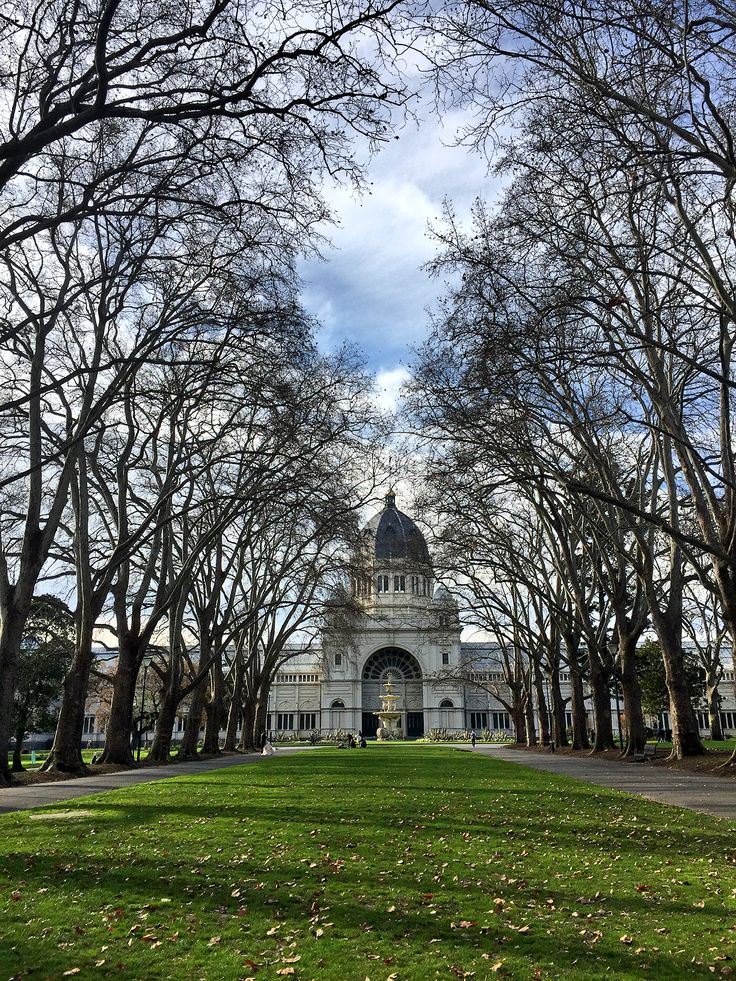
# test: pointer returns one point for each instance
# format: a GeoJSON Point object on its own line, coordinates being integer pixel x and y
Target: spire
{"type": "Point", "coordinates": [390, 498]}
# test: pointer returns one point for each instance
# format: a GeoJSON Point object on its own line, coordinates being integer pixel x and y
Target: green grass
{"type": "Point", "coordinates": [41, 755]}
{"type": "Point", "coordinates": [715, 745]}
{"type": "Point", "coordinates": [417, 862]}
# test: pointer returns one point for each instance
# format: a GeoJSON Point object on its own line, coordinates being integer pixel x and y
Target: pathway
{"type": "Point", "coordinates": [709, 795]}
{"type": "Point", "coordinates": [37, 795]}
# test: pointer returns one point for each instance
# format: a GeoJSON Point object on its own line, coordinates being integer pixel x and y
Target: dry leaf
{"type": "Point", "coordinates": [73, 970]}
{"type": "Point", "coordinates": [283, 971]}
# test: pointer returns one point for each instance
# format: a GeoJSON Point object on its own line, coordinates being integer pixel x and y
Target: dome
{"type": "Point", "coordinates": [395, 536]}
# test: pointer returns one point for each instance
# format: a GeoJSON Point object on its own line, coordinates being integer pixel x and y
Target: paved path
{"type": "Point", "coordinates": [23, 798]}
{"type": "Point", "coordinates": [710, 795]}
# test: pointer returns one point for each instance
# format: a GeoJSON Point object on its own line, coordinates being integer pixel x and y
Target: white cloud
{"type": "Point", "coordinates": [371, 289]}
{"type": "Point", "coordinates": [388, 387]}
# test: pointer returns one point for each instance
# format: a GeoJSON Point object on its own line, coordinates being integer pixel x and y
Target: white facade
{"type": "Point", "coordinates": [407, 627]}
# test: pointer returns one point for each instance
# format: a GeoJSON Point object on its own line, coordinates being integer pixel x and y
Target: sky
{"type": "Point", "coordinates": [370, 288]}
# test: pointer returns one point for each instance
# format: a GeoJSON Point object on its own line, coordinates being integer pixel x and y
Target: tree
{"type": "Point", "coordinates": [650, 668]}
{"type": "Point", "coordinates": [47, 647]}
{"type": "Point", "coordinates": [623, 120]}
{"type": "Point", "coordinates": [147, 145]}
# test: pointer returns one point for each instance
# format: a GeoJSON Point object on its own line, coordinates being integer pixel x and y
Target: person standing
{"type": "Point", "coordinates": [472, 738]}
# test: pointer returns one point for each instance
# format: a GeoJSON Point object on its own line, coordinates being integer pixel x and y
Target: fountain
{"type": "Point", "coordinates": [388, 716]}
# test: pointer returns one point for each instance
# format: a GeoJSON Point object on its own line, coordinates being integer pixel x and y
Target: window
{"type": "Point", "coordinates": [478, 720]}
{"type": "Point", "coordinates": [88, 725]}
{"type": "Point", "coordinates": [338, 704]}
{"type": "Point", "coordinates": [728, 720]}
{"type": "Point", "coordinates": [415, 584]}
{"type": "Point", "coordinates": [703, 722]}
{"type": "Point", "coordinates": [180, 723]}
{"type": "Point", "coordinates": [501, 720]}
{"type": "Point", "coordinates": [307, 720]}
{"type": "Point", "coordinates": [338, 658]}
{"type": "Point", "coordinates": [445, 657]}
{"type": "Point", "coordinates": [285, 720]}
{"type": "Point", "coordinates": [382, 584]}
{"type": "Point", "coordinates": [399, 584]}
{"type": "Point", "coordinates": [447, 703]}
{"type": "Point", "coordinates": [568, 720]}
{"type": "Point", "coordinates": [268, 721]}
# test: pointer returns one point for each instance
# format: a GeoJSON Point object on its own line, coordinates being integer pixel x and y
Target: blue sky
{"type": "Point", "coordinates": [370, 288]}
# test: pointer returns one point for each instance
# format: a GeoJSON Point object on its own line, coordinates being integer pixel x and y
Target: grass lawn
{"type": "Point", "coordinates": [41, 755]}
{"type": "Point", "coordinates": [401, 862]}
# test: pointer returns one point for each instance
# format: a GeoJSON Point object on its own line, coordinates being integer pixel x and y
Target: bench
{"type": "Point", "coordinates": [648, 753]}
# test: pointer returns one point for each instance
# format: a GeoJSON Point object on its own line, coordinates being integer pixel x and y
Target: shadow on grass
{"type": "Point", "coordinates": [429, 852]}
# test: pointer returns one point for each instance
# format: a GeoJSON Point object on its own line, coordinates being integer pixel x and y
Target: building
{"type": "Point", "coordinates": [407, 626]}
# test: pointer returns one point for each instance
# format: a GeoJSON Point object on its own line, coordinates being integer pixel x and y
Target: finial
{"type": "Point", "coordinates": [390, 498]}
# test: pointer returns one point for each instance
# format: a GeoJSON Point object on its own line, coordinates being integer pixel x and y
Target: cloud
{"type": "Point", "coordinates": [371, 289]}
{"type": "Point", "coordinates": [388, 387]}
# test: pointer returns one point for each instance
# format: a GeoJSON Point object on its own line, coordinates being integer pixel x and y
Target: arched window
{"type": "Point", "coordinates": [399, 662]}
{"type": "Point", "coordinates": [447, 703]}
{"type": "Point", "coordinates": [338, 704]}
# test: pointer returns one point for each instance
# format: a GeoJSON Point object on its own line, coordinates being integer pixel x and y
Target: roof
{"type": "Point", "coordinates": [395, 536]}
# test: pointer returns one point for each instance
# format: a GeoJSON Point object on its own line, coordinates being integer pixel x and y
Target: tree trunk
{"type": "Point", "coordinates": [261, 713]}
{"type": "Point", "coordinates": [531, 728]}
{"type": "Point", "coordinates": [714, 704]}
{"type": "Point", "coordinates": [66, 751]}
{"type": "Point", "coordinates": [685, 732]}
{"type": "Point", "coordinates": [542, 707]}
{"type": "Point", "coordinates": [559, 720]}
{"type": "Point", "coordinates": [188, 748]}
{"type": "Point", "coordinates": [120, 725]}
{"type": "Point", "coordinates": [20, 730]}
{"type": "Point", "coordinates": [161, 748]}
{"type": "Point", "coordinates": [601, 699]}
{"type": "Point", "coordinates": [233, 715]}
{"type": "Point", "coordinates": [635, 727]}
{"type": "Point", "coordinates": [577, 708]}
{"type": "Point", "coordinates": [215, 710]}
{"type": "Point", "coordinates": [248, 736]}
{"type": "Point", "coordinates": [11, 634]}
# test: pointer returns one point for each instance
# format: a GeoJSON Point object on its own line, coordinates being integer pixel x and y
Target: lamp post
{"type": "Point", "coordinates": [145, 661]}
